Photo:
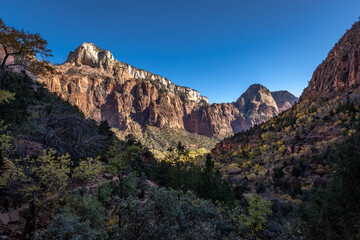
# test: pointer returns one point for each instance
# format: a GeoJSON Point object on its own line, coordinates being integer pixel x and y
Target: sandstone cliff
{"type": "Point", "coordinates": [340, 70]}
{"type": "Point", "coordinates": [127, 97]}
{"type": "Point", "coordinates": [131, 99]}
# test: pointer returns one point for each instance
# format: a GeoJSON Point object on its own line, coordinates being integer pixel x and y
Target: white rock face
{"type": "Point", "coordinates": [185, 92]}
{"type": "Point", "coordinates": [91, 55]}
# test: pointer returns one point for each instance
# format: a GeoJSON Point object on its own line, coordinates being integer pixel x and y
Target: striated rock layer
{"type": "Point", "coordinates": [130, 98]}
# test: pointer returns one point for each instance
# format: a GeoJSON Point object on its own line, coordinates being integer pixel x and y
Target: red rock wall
{"type": "Point", "coordinates": [340, 70]}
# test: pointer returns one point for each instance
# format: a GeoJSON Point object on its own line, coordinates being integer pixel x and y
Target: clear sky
{"type": "Point", "coordinates": [218, 47]}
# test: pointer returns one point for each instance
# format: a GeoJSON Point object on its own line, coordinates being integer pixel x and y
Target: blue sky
{"type": "Point", "coordinates": [216, 47]}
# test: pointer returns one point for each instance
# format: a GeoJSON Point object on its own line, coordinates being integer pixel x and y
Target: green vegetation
{"type": "Point", "coordinates": [112, 188]}
{"type": "Point", "coordinates": [106, 188]}
{"type": "Point", "coordinates": [67, 226]}
{"type": "Point", "coordinates": [333, 212]}
{"type": "Point", "coordinates": [37, 181]}
{"type": "Point", "coordinates": [305, 161]}
{"type": "Point", "coordinates": [248, 221]}
{"type": "Point", "coordinates": [158, 140]}
{"type": "Point", "coordinates": [42, 120]}
{"type": "Point", "coordinates": [178, 171]}
{"type": "Point", "coordinates": [169, 214]}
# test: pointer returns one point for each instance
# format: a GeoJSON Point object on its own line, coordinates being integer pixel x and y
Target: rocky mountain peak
{"type": "Point", "coordinates": [88, 54]}
{"type": "Point", "coordinates": [256, 94]}
{"type": "Point", "coordinates": [91, 55]}
{"type": "Point", "coordinates": [284, 99]}
{"type": "Point", "coordinates": [257, 103]}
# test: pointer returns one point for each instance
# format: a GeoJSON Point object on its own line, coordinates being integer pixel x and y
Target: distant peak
{"type": "Point", "coordinates": [91, 55]}
{"type": "Point", "coordinates": [284, 99]}
{"type": "Point", "coordinates": [284, 94]}
{"type": "Point", "coordinates": [256, 94]}
{"type": "Point", "coordinates": [257, 88]}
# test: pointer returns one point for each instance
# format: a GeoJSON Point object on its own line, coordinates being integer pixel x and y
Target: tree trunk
{"type": "Point", "coordinates": [4, 62]}
{"type": "Point", "coordinates": [30, 222]}
{"type": "Point", "coordinates": [120, 218]}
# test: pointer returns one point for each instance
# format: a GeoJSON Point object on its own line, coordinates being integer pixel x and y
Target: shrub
{"type": "Point", "coordinates": [88, 170]}
{"type": "Point", "coordinates": [68, 226]}
{"type": "Point", "coordinates": [170, 214]}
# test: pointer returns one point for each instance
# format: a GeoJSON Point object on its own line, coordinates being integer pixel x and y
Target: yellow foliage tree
{"type": "Point", "coordinates": [88, 170]}
{"type": "Point", "coordinates": [5, 96]}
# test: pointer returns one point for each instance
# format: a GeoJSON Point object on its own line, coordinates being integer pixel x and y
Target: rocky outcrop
{"type": "Point", "coordinates": [91, 55]}
{"type": "Point", "coordinates": [258, 104]}
{"type": "Point", "coordinates": [340, 70]}
{"type": "Point", "coordinates": [220, 119]}
{"type": "Point", "coordinates": [284, 100]}
{"type": "Point", "coordinates": [130, 98]}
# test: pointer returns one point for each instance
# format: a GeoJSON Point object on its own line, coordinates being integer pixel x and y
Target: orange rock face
{"type": "Point", "coordinates": [215, 119]}
{"type": "Point", "coordinates": [130, 98]}
{"type": "Point", "coordinates": [340, 70]}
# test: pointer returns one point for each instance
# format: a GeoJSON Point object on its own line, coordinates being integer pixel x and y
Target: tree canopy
{"type": "Point", "coordinates": [21, 48]}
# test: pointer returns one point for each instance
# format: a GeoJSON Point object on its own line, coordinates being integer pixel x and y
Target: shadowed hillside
{"type": "Point", "coordinates": [294, 158]}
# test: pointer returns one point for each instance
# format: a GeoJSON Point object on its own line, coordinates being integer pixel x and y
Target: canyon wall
{"type": "Point", "coordinates": [130, 98]}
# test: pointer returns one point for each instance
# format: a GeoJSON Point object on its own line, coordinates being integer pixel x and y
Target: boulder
{"type": "Point", "coordinates": [14, 216]}
{"type": "Point", "coordinates": [4, 218]}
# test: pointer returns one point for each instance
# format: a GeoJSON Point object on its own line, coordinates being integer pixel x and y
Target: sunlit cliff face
{"type": "Point", "coordinates": [130, 98]}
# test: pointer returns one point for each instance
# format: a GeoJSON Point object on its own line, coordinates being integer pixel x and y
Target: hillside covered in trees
{"type": "Point", "coordinates": [65, 177]}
